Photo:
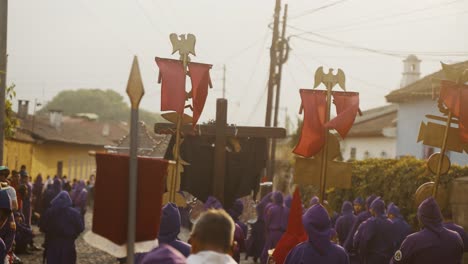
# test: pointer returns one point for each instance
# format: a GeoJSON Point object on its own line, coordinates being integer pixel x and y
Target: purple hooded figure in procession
{"type": "Point", "coordinates": [169, 229]}
{"type": "Point", "coordinates": [450, 225]}
{"type": "Point", "coordinates": [50, 193]}
{"type": "Point", "coordinates": [79, 197]}
{"type": "Point", "coordinates": [235, 212]}
{"type": "Point", "coordinates": [358, 205]}
{"type": "Point", "coordinates": [361, 217]}
{"type": "Point", "coordinates": [37, 194]}
{"type": "Point", "coordinates": [318, 249]}
{"type": "Point", "coordinates": [27, 199]}
{"type": "Point", "coordinates": [164, 254]}
{"type": "Point", "coordinates": [375, 238]}
{"type": "Point", "coordinates": [401, 227]}
{"type": "Point", "coordinates": [434, 243]}
{"type": "Point", "coordinates": [344, 223]}
{"type": "Point", "coordinates": [276, 222]}
{"type": "Point", "coordinates": [62, 224]}
{"type": "Point", "coordinates": [256, 241]}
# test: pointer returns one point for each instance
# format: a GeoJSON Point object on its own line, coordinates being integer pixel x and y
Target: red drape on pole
{"type": "Point", "coordinates": [347, 107]}
{"type": "Point", "coordinates": [314, 103]}
{"type": "Point", "coordinates": [111, 197]}
{"type": "Point", "coordinates": [295, 233]}
{"type": "Point", "coordinates": [172, 75]}
{"type": "Point", "coordinates": [200, 77]}
{"type": "Point", "coordinates": [455, 98]}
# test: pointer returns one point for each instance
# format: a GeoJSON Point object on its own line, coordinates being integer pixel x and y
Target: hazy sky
{"type": "Point", "coordinates": [55, 45]}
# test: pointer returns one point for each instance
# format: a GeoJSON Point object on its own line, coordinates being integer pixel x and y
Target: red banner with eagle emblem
{"type": "Point", "coordinates": [455, 98]}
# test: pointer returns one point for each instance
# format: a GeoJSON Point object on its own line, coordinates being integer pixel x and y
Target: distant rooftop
{"type": "Point", "coordinates": [373, 122]}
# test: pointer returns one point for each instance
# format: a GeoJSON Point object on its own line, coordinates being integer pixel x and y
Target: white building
{"type": "Point", "coordinates": [414, 100]}
{"type": "Point", "coordinates": [373, 135]}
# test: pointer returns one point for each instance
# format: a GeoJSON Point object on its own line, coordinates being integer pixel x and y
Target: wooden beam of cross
{"type": "Point", "coordinates": [307, 170]}
{"type": "Point", "coordinates": [221, 131]}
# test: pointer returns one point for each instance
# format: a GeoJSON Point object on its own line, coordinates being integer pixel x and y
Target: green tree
{"type": "Point", "coordinates": [10, 120]}
{"type": "Point", "coordinates": [107, 104]}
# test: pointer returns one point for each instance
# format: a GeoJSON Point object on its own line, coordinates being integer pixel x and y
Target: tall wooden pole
{"type": "Point", "coordinates": [224, 81]}
{"type": "Point", "coordinates": [135, 92]}
{"type": "Point", "coordinates": [281, 61]}
{"type": "Point", "coordinates": [3, 70]}
{"type": "Point", "coordinates": [323, 167]}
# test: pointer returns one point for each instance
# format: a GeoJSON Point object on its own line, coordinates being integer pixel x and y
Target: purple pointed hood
{"type": "Point", "coordinates": [278, 198]}
{"type": "Point", "coordinates": [260, 208]}
{"type": "Point", "coordinates": [358, 200]}
{"type": "Point", "coordinates": [347, 208]}
{"type": "Point", "coordinates": [57, 185]}
{"type": "Point", "coordinates": [62, 200]}
{"type": "Point", "coordinates": [236, 210]}
{"type": "Point", "coordinates": [430, 216]}
{"type": "Point", "coordinates": [212, 203]}
{"type": "Point", "coordinates": [369, 201]}
{"type": "Point", "coordinates": [314, 201]}
{"type": "Point", "coordinates": [164, 254]}
{"type": "Point", "coordinates": [318, 227]}
{"type": "Point", "coordinates": [378, 206]}
{"type": "Point", "coordinates": [394, 210]}
{"type": "Point", "coordinates": [169, 228]}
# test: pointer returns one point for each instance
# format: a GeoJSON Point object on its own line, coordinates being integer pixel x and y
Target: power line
{"type": "Point", "coordinates": [314, 10]}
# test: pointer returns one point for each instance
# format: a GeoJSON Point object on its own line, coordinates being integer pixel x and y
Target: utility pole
{"type": "Point", "coordinates": [281, 59]}
{"type": "Point", "coordinates": [224, 81]}
{"type": "Point", "coordinates": [273, 63]}
{"type": "Point", "coordinates": [3, 70]}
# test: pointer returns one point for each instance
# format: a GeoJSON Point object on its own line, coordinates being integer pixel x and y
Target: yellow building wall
{"type": "Point", "coordinates": [76, 161]}
{"type": "Point", "coordinates": [17, 153]}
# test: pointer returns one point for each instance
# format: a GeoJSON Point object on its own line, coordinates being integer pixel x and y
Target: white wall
{"type": "Point", "coordinates": [410, 116]}
{"type": "Point", "coordinates": [374, 145]}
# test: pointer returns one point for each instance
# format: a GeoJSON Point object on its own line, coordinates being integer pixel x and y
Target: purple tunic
{"type": "Point", "coordinates": [434, 243]}
{"type": "Point", "coordinates": [62, 224]}
{"type": "Point", "coordinates": [375, 239]}
{"type": "Point", "coordinates": [454, 227]}
{"type": "Point", "coordinates": [163, 254]}
{"type": "Point", "coordinates": [361, 217]}
{"type": "Point", "coordinates": [79, 197]}
{"type": "Point", "coordinates": [401, 227]}
{"type": "Point", "coordinates": [27, 200]}
{"type": "Point", "coordinates": [318, 249]}
{"type": "Point", "coordinates": [276, 222]}
{"type": "Point", "coordinates": [51, 193]}
{"type": "Point", "coordinates": [235, 212]}
{"type": "Point", "coordinates": [37, 194]}
{"type": "Point", "coordinates": [344, 223]}
{"type": "Point", "coordinates": [169, 229]}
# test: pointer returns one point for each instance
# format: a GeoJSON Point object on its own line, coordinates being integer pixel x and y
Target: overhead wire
{"type": "Point", "coordinates": [314, 10]}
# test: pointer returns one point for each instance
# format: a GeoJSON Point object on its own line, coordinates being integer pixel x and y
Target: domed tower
{"type": "Point", "coordinates": [411, 70]}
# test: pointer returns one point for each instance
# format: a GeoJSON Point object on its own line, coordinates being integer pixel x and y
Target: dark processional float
{"type": "Point", "coordinates": [452, 98]}
{"type": "Point", "coordinates": [217, 160]}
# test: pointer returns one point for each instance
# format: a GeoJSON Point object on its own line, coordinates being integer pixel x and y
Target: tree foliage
{"type": "Point", "coordinates": [10, 120]}
{"type": "Point", "coordinates": [107, 104]}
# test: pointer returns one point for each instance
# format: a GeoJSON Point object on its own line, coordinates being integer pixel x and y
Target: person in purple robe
{"type": "Point", "coordinates": [27, 198]}
{"type": "Point", "coordinates": [434, 243]}
{"type": "Point", "coordinates": [361, 217]}
{"type": "Point", "coordinates": [23, 236]}
{"type": "Point", "coordinates": [256, 241]}
{"type": "Point", "coordinates": [235, 212]}
{"type": "Point", "coordinates": [358, 205]}
{"type": "Point", "coordinates": [37, 194]}
{"type": "Point", "coordinates": [169, 229]}
{"type": "Point", "coordinates": [318, 248]}
{"type": "Point", "coordinates": [288, 200]}
{"type": "Point", "coordinates": [79, 197]}
{"type": "Point", "coordinates": [401, 227]}
{"type": "Point", "coordinates": [313, 201]}
{"type": "Point", "coordinates": [450, 225]}
{"type": "Point", "coordinates": [375, 239]}
{"type": "Point", "coordinates": [344, 223]}
{"type": "Point", "coordinates": [62, 224]}
{"type": "Point", "coordinates": [164, 254]}
{"type": "Point", "coordinates": [50, 193]}
{"type": "Point", "coordinates": [276, 222]}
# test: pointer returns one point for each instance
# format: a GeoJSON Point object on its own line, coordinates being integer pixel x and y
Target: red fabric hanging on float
{"type": "Point", "coordinates": [111, 198]}
{"type": "Point", "coordinates": [295, 232]}
{"type": "Point", "coordinates": [455, 98]}
{"type": "Point", "coordinates": [347, 107]}
{"type": "Point", "coordinates": [314, 103]}
{"type": "Point", "coordinates": [200, 77]}
{"type": "Point", "coordinates": [172, 75]}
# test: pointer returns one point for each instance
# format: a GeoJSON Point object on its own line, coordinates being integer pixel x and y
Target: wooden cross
{"type": "Point", "coordinates": [221, 131]}
{"type": "Point", "coordinates": [307, 170]}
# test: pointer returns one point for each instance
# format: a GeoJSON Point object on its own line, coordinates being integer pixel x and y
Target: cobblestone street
{"type": "Point", "coordinates": [86, 253]}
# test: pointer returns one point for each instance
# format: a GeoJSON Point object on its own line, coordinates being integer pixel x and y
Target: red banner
{"type": "Point", "coordinates": [111, 197]}
{"type": "Point", "coordinates": [455, 98]}
{"type": "Point", "coordinates": [347, 107]}
{"type": "Point", "coordinates": [295, 233]}
{"type": "Point", "coordinates": [172, 75]}
{"type": "Point", "coordinates": [314, 103]}
{"type": "Point", "coordinates": [200, 77]}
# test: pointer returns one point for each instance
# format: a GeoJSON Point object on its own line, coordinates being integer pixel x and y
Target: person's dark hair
{"type": "Point", "coordinates": [14, 173]}
{"type": "Point", "coordinates": [215, 227]}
